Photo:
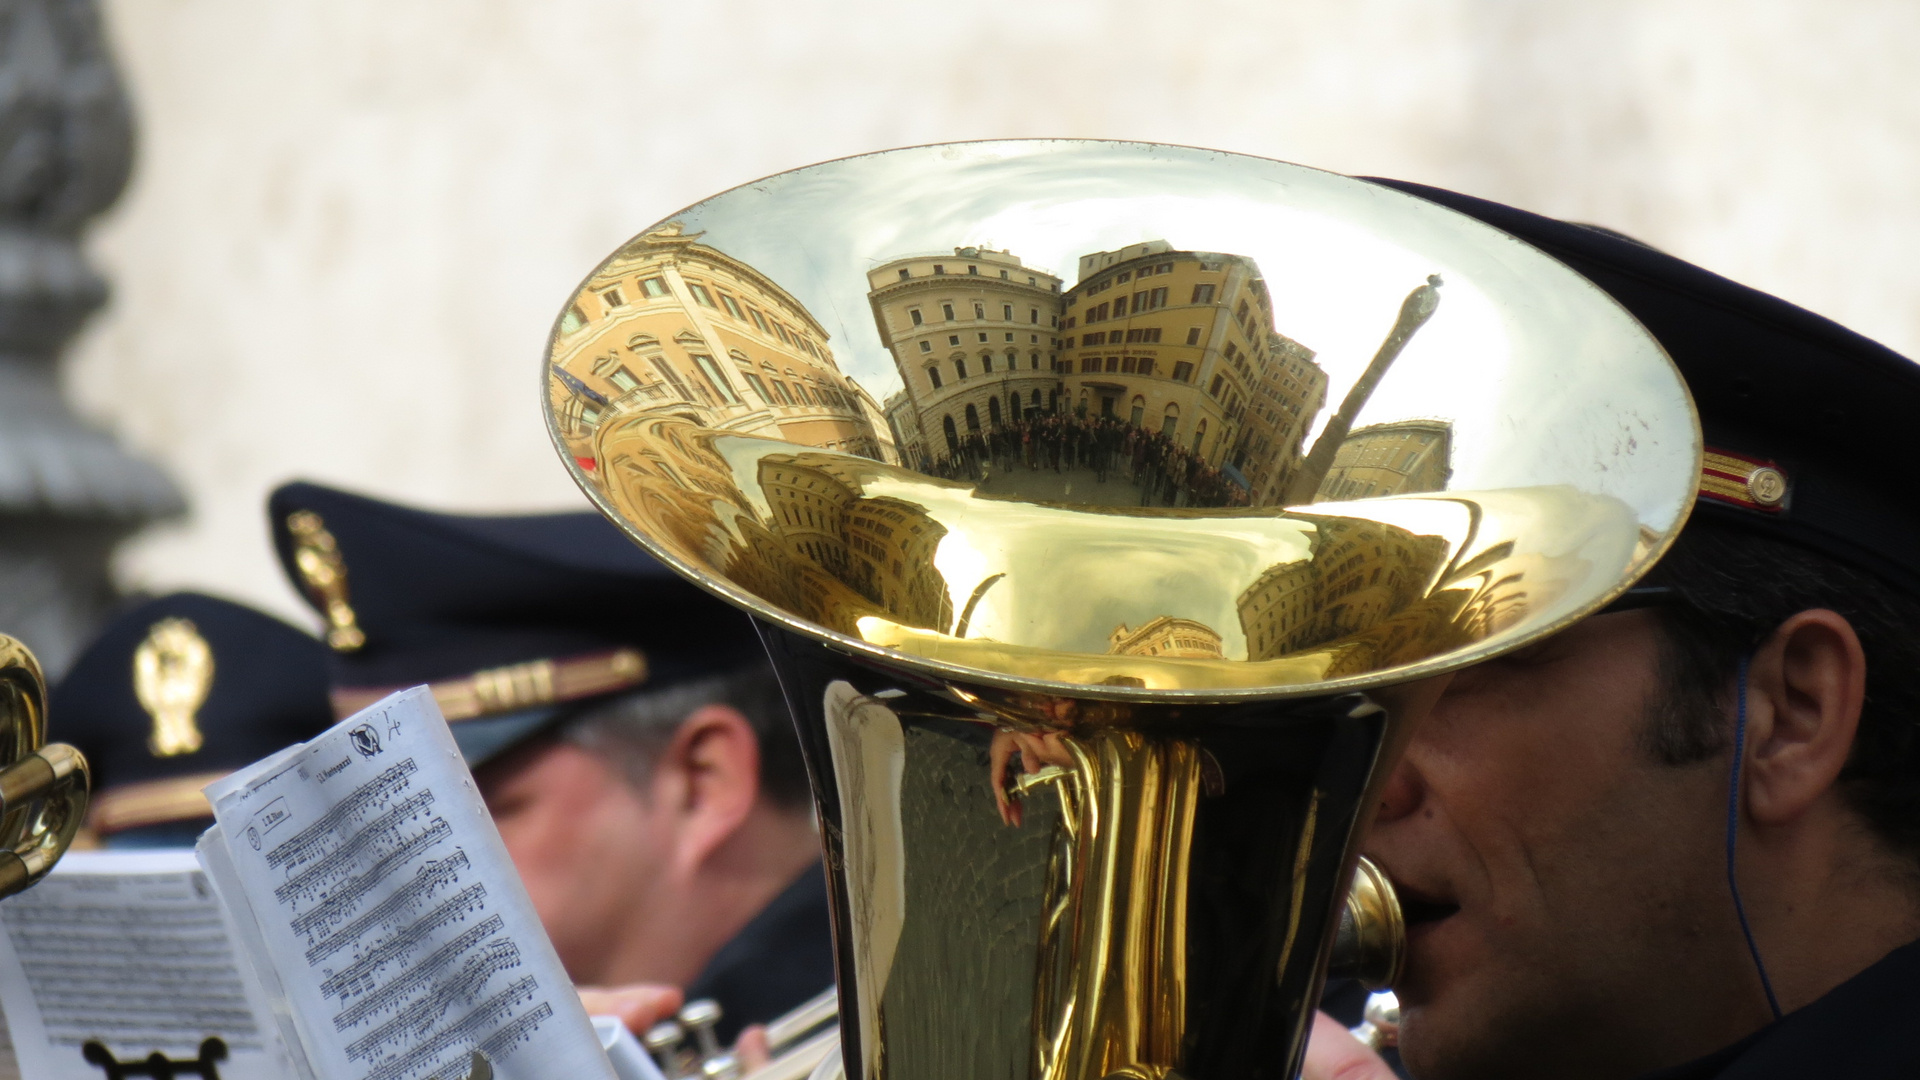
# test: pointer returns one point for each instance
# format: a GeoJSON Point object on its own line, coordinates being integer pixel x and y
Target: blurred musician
{"type": "Point", "coordinates": [1584, 899]}
{"type": "Point", "coordinates": [623, 727]}
{"type": "Point", "coordinates": [175, 693]}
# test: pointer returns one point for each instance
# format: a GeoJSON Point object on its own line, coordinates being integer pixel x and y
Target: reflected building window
{"type": "Point", "coordinates": [933, 376]}
{"type": "Point", "coordinates": [1202, 294]}
{"type": "Point", "coordinates": [1171, 421]}
{"type": "Point", "coordinates": [914, 313]}
{"type": "Point", "coordinates": [672, 377]}
{"type": "Point", "coordinates": [654, 287]}
{"type": "Point", "coordinates": [700, 294]}
{"type": "Point", "coordinates": [973, 419]}
{"type": "Point", "coordinates": [926, 346]}
{"type": "Point", "coordinates": [960, 368]}
{"type": "Point", "coordinates": [1183, 371]}
{"type": "Point", "coordinates": [732, 306]}
{"type": "Point", "coordinates": [1199, 436]}
{"type": "Point", "coordinates": [947, 310]}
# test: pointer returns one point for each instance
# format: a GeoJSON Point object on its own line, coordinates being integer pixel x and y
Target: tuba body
{"type": "Point", "coordinates": [1108, 509]}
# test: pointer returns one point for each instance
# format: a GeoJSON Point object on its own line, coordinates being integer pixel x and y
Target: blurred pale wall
{"type": "Point", "coordinates": [353, 220]}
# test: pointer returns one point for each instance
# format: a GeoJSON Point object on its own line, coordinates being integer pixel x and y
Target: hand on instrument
{"type": "Point", "coordinates": [751, 1048]}
{"type": "Point", "coordinates": [1334, 1054]}
{"type": "Point", "coordinates": [1035, 751]}
{"type": "Point", "coordinates": [638, 1005]}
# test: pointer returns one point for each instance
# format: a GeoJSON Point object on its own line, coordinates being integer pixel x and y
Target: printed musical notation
{"type": "Point", "coordinates": [128, 951]}
{"type": "Point", "coordinates": [391, 908]}
{"type": "Point", "coordinates": [140, 966]}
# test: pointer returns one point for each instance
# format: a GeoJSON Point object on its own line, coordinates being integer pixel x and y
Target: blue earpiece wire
{"type": "Point", "coordinates": [1733, 830]}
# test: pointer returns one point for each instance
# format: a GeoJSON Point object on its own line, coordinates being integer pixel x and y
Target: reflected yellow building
{"type": "Point", "coordinates": [1399, 458]}
{"type": "Point", "coordinates": [903, 423]}
{"type": "Point", "coordinates": [1291, 390]}
{"type": "Point", "coordinates": [880, 549]}
{"type": "Point", "coordinates": [1166, 636]}
{"type": "Point", "coordinates": [1177, 342]}
{"type": "Point", "coordinates": [1361, 573]}
{"type": "Point", "coordinates": [974, 336]}
{"type": "Point", "coordinates": [670, 323]}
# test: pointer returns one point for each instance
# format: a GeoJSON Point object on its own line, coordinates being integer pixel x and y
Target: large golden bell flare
{"type": "Point", "coordinates": [1112, 477]}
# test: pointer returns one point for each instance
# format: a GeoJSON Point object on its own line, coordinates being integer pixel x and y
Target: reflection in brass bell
{"type": "Point", "coordinates": [1095, 497]}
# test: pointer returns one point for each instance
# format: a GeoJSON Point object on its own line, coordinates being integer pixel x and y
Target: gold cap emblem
{"type": "Point", "coordinates": [172, 673]}
{"type": "Point", "coordinates": [324, 573]}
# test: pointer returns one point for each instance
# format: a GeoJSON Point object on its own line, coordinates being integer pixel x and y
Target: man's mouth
{"type": "Point", "coordinates": [1422, 910]}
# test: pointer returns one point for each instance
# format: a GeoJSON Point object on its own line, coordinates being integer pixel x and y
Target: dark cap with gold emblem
{"type": "Point", "coordinates": [1806, 422]}
{"type": "Point", "coordinates": [512, 621]}
{"type": "Point", "coordinates": [177, 692]}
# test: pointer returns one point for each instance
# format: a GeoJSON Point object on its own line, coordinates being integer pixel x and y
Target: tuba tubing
{"type": "Point", "coordinates": [44, 788]}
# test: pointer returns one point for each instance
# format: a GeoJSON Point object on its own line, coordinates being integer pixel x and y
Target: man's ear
{"type": "Point", "coordinates": [712, 769]}
{"type": "Point", "coordinates": [1805, 687]}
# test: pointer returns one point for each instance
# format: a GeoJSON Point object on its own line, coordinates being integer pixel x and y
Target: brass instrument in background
{"type": "Point", "coordinates": [43, 786]}
{"type": "Point", "coordinates": [1093, 627]}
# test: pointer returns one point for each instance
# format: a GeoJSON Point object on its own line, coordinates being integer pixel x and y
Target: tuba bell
{"type": "Point", "coordinates": [1108, 510]}
{"type": "Point", "coordinates": [43, 786]}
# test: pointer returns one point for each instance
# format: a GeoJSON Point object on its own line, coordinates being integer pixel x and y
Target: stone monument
{"type": "Point", "coordinates": [68, 491]}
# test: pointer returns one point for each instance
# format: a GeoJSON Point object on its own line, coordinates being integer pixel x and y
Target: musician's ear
{"type": "Point", "coordinates": [1806, 685]}
{"type": "Point", "coordinates": [711, 770]}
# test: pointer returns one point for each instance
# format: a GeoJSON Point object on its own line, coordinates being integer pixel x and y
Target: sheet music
{"type": "Point", "coordinates": [130, 949]}
{"type": "Point", "coordinates": [400, 933]}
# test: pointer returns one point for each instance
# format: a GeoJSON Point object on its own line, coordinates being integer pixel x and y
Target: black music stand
{"type": "Point", "coordinates": [157, 1066]}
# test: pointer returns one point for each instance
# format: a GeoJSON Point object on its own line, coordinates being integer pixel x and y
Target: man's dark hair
{"type": "Point", "coordinates": [1732, 589]}
{"type": "Point", "coordinates": [634, 726]}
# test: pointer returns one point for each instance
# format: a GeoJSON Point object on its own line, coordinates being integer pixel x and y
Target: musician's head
{"type": "Point", "coordinates": [1560, 823]}
{"type": "Point", "coordinates": [649, 827]}
{"type": "Point", "coordinates": [621, 722]}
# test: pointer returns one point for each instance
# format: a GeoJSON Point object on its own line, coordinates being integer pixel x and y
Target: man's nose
{"type": "Point", "coordinates": [1402, 793]}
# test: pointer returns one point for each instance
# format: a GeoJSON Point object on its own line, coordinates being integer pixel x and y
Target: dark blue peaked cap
{"type": "Point", "coordinates": [249, 687]}
{"type": "Point", "coordinates": [512, 620]}
{"type": "Point", "coordinates": [1776, 385]}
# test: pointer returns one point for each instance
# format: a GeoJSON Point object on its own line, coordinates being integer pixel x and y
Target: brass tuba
{"type": "Point", "coordinates": [43, 786]}
{"type": "Point", "coordinates": [1104, 506]}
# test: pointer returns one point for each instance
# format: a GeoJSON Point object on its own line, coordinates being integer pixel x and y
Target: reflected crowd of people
{"type": "Point", "coordinates": [1164, 472]}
